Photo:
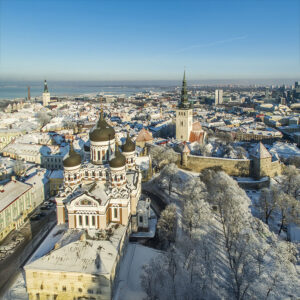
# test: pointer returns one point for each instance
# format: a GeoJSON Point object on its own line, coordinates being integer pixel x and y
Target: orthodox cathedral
{"type": "Point", "coordinates": [104, 186]}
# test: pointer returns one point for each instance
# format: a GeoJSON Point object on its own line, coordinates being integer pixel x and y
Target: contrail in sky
{"type": "Point", "coordinates": [212, 43]}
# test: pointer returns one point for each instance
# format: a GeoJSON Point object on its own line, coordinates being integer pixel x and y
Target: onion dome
{"type": "Point", "coordinates": [119, 160]}
{"type": "Point", "coordinates": [74, 158]}
{"type": "Point", "coordinates": [103, 131]}
{"type": "Point", "coordinates": [129, 145]}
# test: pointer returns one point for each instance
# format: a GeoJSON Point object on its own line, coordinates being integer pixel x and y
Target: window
{"type": "Point", "coordinates": [86, 220]}
{"type": "Point", "coordinates": [93, 220]}
{"type": "Point", "coordinates": [80, 220]}
{"type": "Point", "coordinates": [80, 290]}
{"type": "Point", "coordinates": [90, 291]}
{"type": "Point", "coordinates": [141, 219]}
{"type": "Point", "coordinates": [115, 213]}
{"type": "Point", "coordinates": [64, 288]}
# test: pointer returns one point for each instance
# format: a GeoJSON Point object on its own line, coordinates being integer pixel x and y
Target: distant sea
{"type": "Point", "coordinates": [18, 89]}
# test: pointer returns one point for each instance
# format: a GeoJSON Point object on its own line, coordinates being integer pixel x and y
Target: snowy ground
{"type": "Point", "coordinates": [128, 286]}
{"type": "Point", "coordinates": [284, 150]}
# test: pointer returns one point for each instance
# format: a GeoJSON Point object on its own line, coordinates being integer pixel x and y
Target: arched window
{"type": "Point", "coordinates": [86, 174]}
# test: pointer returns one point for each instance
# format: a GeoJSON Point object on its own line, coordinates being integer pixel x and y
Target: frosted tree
{"type": "Point", "coordinates": [194, 189]}
{"type": "Point", "coordinates": [168, 174]}
{"type": "Point", "coordinates": [19, 167]}
{"type": "Point", "coordinates": [288, 208]}
{"type": "Point", "coordinates": [267, 202]}
{"type": "Point", "coordinates": [43, 118]}
{"type": "Point", "coordinates": [162, 156]}
{"type": "Point", "coordinates": [167, 225]}
{"type": "Point", "coordinates": [291, 181]}
{"type": "Point", "coordinates": [196, 214]}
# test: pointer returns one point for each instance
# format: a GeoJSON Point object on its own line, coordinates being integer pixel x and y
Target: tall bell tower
{"type": "Point", "coordinates": [184, 115]}
{"type": "Point", "coordinates": [46, 94]}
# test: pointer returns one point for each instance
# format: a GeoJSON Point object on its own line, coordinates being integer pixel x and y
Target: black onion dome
{"type": "Point", "coordinates": [119, 160]}
{"type": "Point", "coordinates": [74, 158]}
{"type": "Point", "coordinates": [103, 131]}
{"type": "Point", "coordinates": [129, 145]}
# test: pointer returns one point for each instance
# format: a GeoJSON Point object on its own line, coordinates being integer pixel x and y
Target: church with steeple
{"type": "Point", "coordinates": [102, 188]}
{"type": "Point", "coordinates": [46, 95]}
{"type": "Point", "coordinates": [186, 129]}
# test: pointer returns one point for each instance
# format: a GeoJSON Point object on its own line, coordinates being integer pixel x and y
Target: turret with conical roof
{"type": "Point", "coordinates": [261, 161]}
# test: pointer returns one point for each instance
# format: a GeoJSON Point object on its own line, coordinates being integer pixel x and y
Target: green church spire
{"type": "Point", "coordinates": [184, 103]}
{"type": "Point", "coordinates": [45, 87]}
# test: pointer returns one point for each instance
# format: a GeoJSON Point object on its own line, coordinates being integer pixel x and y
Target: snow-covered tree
{"type": "Point", "coordinates": [167, 225]}
{"type": "Point", "coordinates": [196, 214]}
{"type": "Point", "coordinates": [288, 207]}
{"type": "Point", "coordinates": [168, 174]}
{"type": "Point", "coordinates": [291, 181]}
{"type": "Point", "coordinates": [267, 202]}
{"type": "Point", "coordinates": [162, 156]}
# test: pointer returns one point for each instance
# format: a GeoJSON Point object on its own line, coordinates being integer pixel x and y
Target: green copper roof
{"type": "Point", "coordinates": [45, 87]}
{"type": "Point", "coordinates": [184, 102]}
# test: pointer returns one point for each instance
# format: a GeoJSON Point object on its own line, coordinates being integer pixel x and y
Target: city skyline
{"type": "Point", "coordinates": [149, 41]}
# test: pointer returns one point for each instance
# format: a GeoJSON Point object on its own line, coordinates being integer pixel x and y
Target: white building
{"type": "Point", "coordinates": [184, 115]}
{"type": "Point", "coordinates": [46, 95]}
{"type": "Point", "coordinates": [218, 97]}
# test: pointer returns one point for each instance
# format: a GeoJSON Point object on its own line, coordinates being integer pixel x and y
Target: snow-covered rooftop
{"type": "Point", "coordinates": [11, 191]}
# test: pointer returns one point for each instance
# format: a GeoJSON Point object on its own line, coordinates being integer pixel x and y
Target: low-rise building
{"type": "Point", "coordinates": [15, 205]}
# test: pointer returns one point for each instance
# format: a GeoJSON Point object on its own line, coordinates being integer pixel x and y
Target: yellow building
{"type": "Point", "coordinates": [15, 205]}
{"type": "Point", "coordinates": [8, 135]}
{"type": "Point", "coordinates": [84, 269]}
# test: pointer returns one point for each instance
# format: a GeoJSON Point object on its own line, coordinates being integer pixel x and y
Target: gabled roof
{"type": "Point", "coordinates": [186, 148]}
{"type": "Point", "coordinates": [196, 126]}
{"type": "Point", "coordinates": [144, 136]}
{"type": "Point", "coordinates": [260, 151]}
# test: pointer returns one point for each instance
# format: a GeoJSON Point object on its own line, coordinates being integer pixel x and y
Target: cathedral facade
{"type": "Point", "coordinates": [102, 188]}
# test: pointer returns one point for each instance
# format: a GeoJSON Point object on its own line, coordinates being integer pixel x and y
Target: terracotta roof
{"type": "Point", "coordinates": [196, 136]}
{"type": "Point", "coordinates": [196, 126]}
{"type": "Point", "coordinates": [144, 136]}
{"type": "Point", "coordinates": [260, 151]}
{"type": "Point", "coordinates": [186, 148]}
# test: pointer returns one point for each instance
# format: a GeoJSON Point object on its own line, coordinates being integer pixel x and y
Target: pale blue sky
{"type": "Point", "coordinates": [131, 40]}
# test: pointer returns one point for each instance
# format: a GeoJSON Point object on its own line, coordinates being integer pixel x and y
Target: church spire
{"type": "Point", "coordinates": [45, 87]}
{"type": "Point", "coordinates": [184, 103]}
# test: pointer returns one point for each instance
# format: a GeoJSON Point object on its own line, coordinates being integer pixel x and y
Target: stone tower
{"type": "Point", "coordinates": [184, 115]}
{"type": "Point", "coordinates": [46, 94]}
{"type": "Point", "coordinates": [261, 161]}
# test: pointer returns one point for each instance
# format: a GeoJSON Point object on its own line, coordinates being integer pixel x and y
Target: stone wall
{"type": "Point", "coordinates": [233, 167]}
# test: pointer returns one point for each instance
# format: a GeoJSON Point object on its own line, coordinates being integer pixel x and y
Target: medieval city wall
{"type": "Point", "coordinates": [233, 167]}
